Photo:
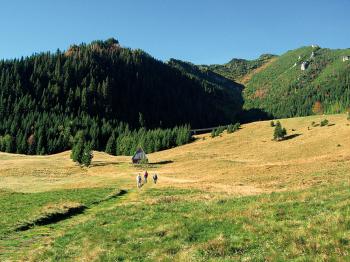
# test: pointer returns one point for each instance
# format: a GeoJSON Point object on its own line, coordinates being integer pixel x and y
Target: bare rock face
{"type": "Point", "coordinates": [304, 66]}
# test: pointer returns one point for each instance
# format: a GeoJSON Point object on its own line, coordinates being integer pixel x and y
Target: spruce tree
{"type": "Point", "coordinates": [9, 144]}
{"type": "Point", "coordinates": [78, 147]}
{"type": "Point", "coordinates": [87, 155]}
{"type": "Point", "coordinates": [111, 145]}
{"type": "Point", "coordinates": [279, 132]}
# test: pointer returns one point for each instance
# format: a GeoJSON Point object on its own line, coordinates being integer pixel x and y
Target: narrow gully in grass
{"type": "Point", "coordinates": [69, 212]}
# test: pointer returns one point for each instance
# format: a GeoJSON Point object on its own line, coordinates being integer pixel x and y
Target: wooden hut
{"type": "Point", "coordinates": [139, 156]}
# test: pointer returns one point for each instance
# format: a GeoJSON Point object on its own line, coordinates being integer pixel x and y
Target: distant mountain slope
{"type": "Point", "coordinates": [237, 69]}
{"type": "Point", "coordinates": [211, 80]}
{"type": "Point", "coordinates": [284, 90]}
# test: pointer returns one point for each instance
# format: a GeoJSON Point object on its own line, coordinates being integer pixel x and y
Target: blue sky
{"type": "Point", "coordinates": [200, 31]}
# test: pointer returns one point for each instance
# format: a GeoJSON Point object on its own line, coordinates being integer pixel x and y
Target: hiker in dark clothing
{"type": "Point", "coordinates": [139, 180]}
{"type": "Point", "coordinates": [155, 178]}
{"type": "Point", "coordinates": [145, 176]}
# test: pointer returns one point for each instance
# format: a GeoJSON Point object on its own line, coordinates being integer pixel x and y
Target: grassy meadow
{"type": "Point", "coordinates": [238, 197]}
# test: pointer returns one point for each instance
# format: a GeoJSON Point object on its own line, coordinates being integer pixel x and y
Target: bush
{"type": "Point", "coordinates": [324, 122]}
{"type": "Point", "coordinates": [279, 132]}
{"type": "Point", "coordinates": [220, 130]}
{"type": "Point", "coordinates": [272, 123]}
{"type": "Point", "coordinates": [232, 128]}
{"type": "Point", "coordinates": [217, 131]}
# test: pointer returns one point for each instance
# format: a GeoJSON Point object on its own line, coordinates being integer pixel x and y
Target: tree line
{"type": "Point", "coordinates": [116, 138]}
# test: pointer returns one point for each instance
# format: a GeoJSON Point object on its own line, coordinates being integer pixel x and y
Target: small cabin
{"type": "Point", "coordinates": [139, 157]}
{"type": "Point", "coordinates": [346, 58]}
{"type": "Point", "coordinates": [304, 66]}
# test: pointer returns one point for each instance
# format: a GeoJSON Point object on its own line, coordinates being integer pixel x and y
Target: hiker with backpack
{"type": "Point", "coordinates": [145, 176]}
{"type": "Point", "coordinates": [139, 180]}
{"type": "Point", "coordinates": [155, 178]}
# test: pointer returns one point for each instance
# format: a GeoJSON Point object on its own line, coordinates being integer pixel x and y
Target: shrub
{"type": "Point", "coordinates": [217, 131]}
{"type": "Point", "coordinates": [324, 122]}
{"type": "Point", "coordinates": [232, 128]}
{"type": "Point", "coordinates": [220, 130]}
{"type": "Point", "coordinates": [279, 132]}
{"type": "Point", "coordinates": [272, 123]}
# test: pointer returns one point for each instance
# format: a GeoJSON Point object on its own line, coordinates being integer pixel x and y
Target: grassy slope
{"type": "Point", "coordinates": [193, 213]}
{"type": "Point", "coordinates": [238, 69]}
{"type": "Point", "coordinates": [283, 87]}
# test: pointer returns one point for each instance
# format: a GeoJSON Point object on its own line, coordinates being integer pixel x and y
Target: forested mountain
{"type": "Point", "coordinates": [213, 81]}
{"type": "Point", "coordinates": [283, 89]}
{"type": "Point", "coordinates": [106, 90]}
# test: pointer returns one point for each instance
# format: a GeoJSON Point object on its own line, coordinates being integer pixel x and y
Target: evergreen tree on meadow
{"type": "Point", "coordinates": [279, 132]}
{"type": "Point", "coordinates": [87, 154]}
{"type": "Point", "coordinates": [111, 145]}
{"type": "Point", "coordinates": [78, 147]}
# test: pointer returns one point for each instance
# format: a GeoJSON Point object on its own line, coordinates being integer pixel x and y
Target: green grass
{"type": "Point", "coordinates": [167, 225]}
{"type": "Point", "coordinates": [17, 208]}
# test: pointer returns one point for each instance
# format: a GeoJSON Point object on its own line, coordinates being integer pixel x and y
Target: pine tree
{"type": "Point", "coordinates": [78, 147]}
{"type": "Point", "coordinates": [279, 132]}
{"type": "Point", "coordinates": [8, 144]}
{"type": "Point", "coordinates": [87, 155]}
{"type": "Point", "coordinates": [111, 145]}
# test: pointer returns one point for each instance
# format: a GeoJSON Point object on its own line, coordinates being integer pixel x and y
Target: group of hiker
{"type": "Point", "coordinates": [145, 176]}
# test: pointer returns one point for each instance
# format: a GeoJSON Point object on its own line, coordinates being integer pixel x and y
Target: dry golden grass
{"type": "Point", "coordinates": [246, 162]}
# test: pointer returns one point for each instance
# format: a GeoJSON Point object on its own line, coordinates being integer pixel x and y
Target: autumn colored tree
{"type": "Point", "coordinates": [317, 108]}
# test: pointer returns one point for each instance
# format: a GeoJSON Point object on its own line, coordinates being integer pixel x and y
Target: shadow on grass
{"type": "Point", "coordinates": [162, 162]}
{"type": "Point", "coordinates": [102, 163]}
{"type": "Point", "coordinates": [153, 164]}
{"type": "Point", "coordinates": [54, 217]}
{"type": "Point", "coordinates": [291, 137]}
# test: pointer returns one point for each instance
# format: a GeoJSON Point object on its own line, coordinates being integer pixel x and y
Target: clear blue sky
{"type": "Point", "coordinates": [200, 31]}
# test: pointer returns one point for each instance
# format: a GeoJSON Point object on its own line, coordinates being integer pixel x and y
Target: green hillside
{"type": "Point", "coordinates": [236, 69]}
{"type": "Point", "coordinates": [282, 89]}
